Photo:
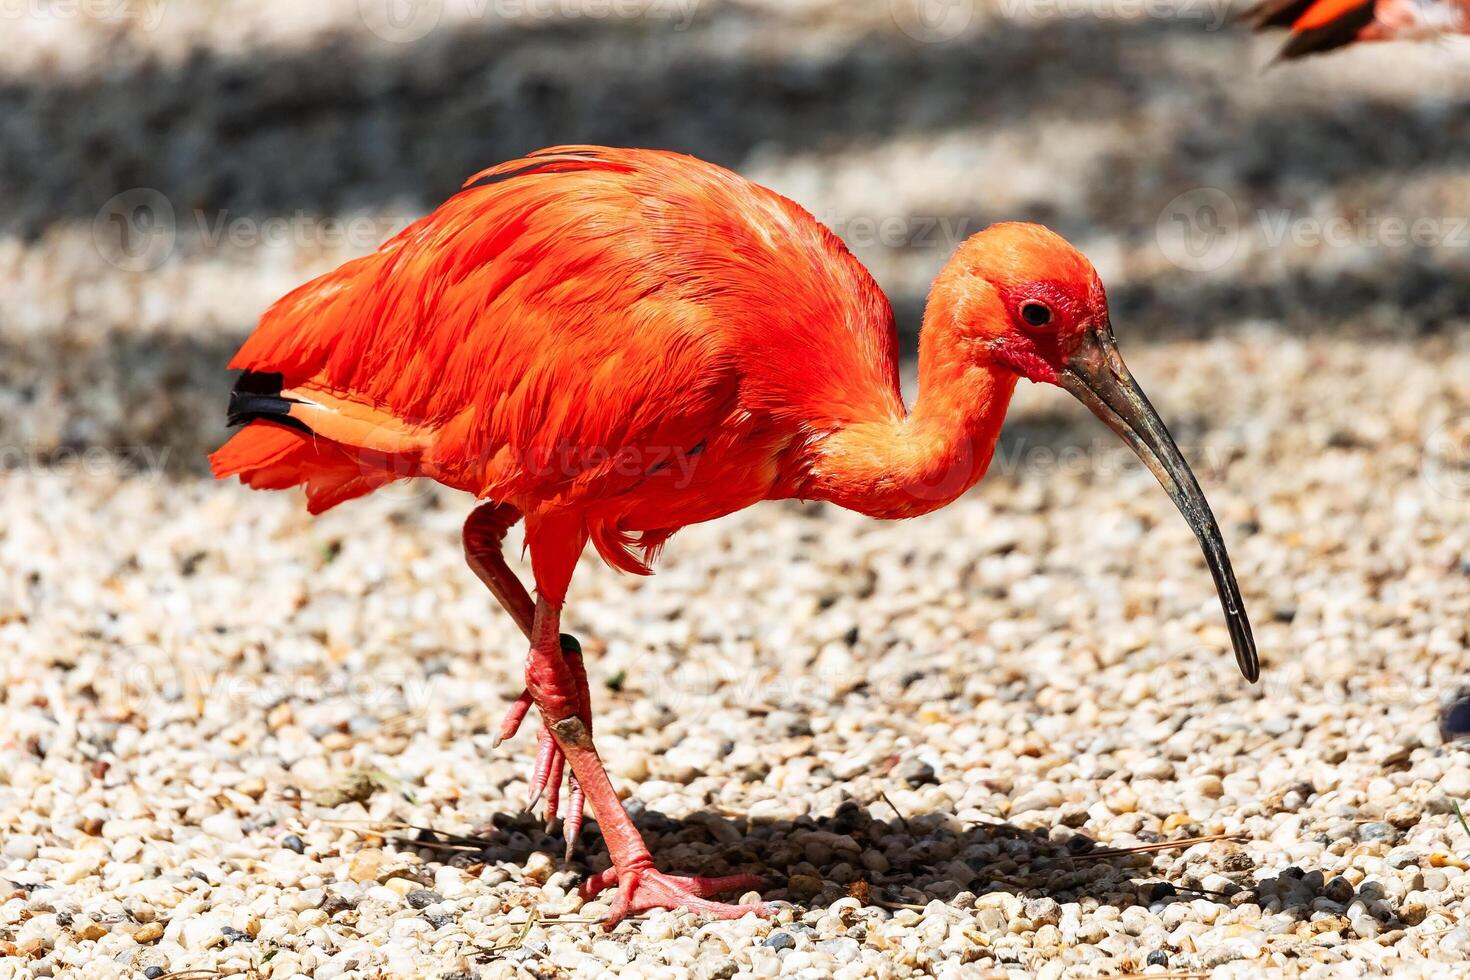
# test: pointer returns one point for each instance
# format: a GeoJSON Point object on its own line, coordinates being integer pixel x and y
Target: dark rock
{"type": "Point", "coordinates": [917, 772]}
{"type": "Point", "coordinates": [422, 898]}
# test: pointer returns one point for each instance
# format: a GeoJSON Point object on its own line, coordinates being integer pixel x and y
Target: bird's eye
{"type": "Point", "coordinates": [1036, 314]}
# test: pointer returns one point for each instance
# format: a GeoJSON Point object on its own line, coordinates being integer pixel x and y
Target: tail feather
{"type": "Point", "coordinates": [1327, 26]}
{"type": "Point", "coordinates": [271, 456]}
{"type": "Point", "coordinates": [1316, 25]}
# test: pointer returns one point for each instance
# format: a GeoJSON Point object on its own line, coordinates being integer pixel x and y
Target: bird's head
{"type": "Point", "coordinates": [1019, 298]}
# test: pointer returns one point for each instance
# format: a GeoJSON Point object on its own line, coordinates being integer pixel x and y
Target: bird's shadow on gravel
{"type": "Point", "coordinates": [890, 865]}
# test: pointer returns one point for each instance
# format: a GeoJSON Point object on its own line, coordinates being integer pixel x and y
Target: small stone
{"type": "Point", "coordinates": [22, 847]}
{"type": "Point", "coordinates": [843, 949]}
{"type": "Point", "coordinates": [1376, 830]}
{"type": "Point", "coordinates": [1455, 783]}
{"type": "Point", "coordinates": [917, 772]}
{"type": "Point", "coordinates": [365, 864]}
{"type": "Point", "coordinates": [779, 941]}
{"type": "Point", "coordinates": [1043, 911]}
{"type": "Point", "coordinates": [150, 932]}
{"type": "Point", "coordinates": [203, 932]}
{"type": "Point", "coordinates": [422, 898]}
{"type": "Point", "coordinates": [92, 931]}
{"type": "Point", "coordinates": [1158, 958]}
{"type": "Point", "coordinates": [1413, 913]}
{"type": "Point", "coordinates": [539, 868]}
{"type": "Point", "coordinates": [357, 786]}
{"type": "Point", "coordinates": [1338, 890]}
{"type": "Point", "coordinates": [1209, 785]}
{"type": "Point", "coordinates": [1402, 857]}
{"type": "Point", "coordinates": [153, 972]}
{"type": "Point", "coordinates": [803, 888]}
{"type": "Point", "coordinates": [717, 968]}
{"type": "Point", "coordinates": [991, 921]}
{"type": "Point", "coordinates": [1402, 817]}
{"type": "Point", "coordinates": [293, 843]}
{"type": "Point", "coordinates": [223, 826]}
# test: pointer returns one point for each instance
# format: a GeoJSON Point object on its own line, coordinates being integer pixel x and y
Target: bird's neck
{"type": "Point", "coordinates": [904, 465]}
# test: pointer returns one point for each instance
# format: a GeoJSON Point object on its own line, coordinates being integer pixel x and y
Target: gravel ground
{"type": "Point", "coordinates": [239, 739]}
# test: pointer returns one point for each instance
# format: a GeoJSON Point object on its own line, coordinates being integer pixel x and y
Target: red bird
{"type": "Point", "coordinates": [613, 344]}
{"type": "Point", "coordinates": [1324, 25]}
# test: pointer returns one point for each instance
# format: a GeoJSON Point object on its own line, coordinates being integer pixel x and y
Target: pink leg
{"type": "Point", "coordinates": [484, 532]}
{"type": "Point", "coordinates": [560, 697]}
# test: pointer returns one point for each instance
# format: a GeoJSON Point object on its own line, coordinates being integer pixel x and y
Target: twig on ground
{"type": "Point", "coordinates": [902, 820]}
{"type": "Point", "coordinates": [1163, 845]}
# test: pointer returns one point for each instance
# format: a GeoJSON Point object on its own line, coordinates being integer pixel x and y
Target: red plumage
{"type": "Point", "coordinates": [629, 340]}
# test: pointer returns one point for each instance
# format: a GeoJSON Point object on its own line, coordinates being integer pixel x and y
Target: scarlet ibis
{"type": "Point", "coordinates": [613, 344]}
{"type": "Point", "coordinates": [1324, 25]}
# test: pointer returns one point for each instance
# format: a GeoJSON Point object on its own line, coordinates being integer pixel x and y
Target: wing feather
{"type": "Point", "coordinates": [580, 303]}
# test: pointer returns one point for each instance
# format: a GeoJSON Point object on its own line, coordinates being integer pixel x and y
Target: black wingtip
{"type": "Point", "coordinates": [1335, 34]}
{"type": "Point", "coordinates": [257, 395]}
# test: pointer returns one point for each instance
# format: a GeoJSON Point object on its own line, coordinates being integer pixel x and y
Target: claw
{"type": "Point", "coordinates": [553, 787]}
{"type": "Point", "coordinates": [542, 772]}
{"type": "Point", "coordinates": [641, 890]}
{"type": "Point", "coordinates": [513, 718]}
{"type": "Point", "coordinates": [573, 827]}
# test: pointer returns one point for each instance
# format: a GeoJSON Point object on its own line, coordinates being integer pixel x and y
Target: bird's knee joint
{"type": "Point", "coordinates": [571, 731]}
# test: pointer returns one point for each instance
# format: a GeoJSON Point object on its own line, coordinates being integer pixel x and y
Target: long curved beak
{"type": "Point", "coordinates": [1098, 377]}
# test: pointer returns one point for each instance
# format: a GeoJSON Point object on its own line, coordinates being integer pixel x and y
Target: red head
{"type": "Point", "coordinates": [1023, 298]}
{"type": "Point", "coordinates": [1018, 298]}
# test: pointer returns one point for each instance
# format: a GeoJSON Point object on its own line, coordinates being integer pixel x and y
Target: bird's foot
{"type": "Point", "coordinates": [642, 889]}
{"type": "Point", "coordinates": [546, 777]}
